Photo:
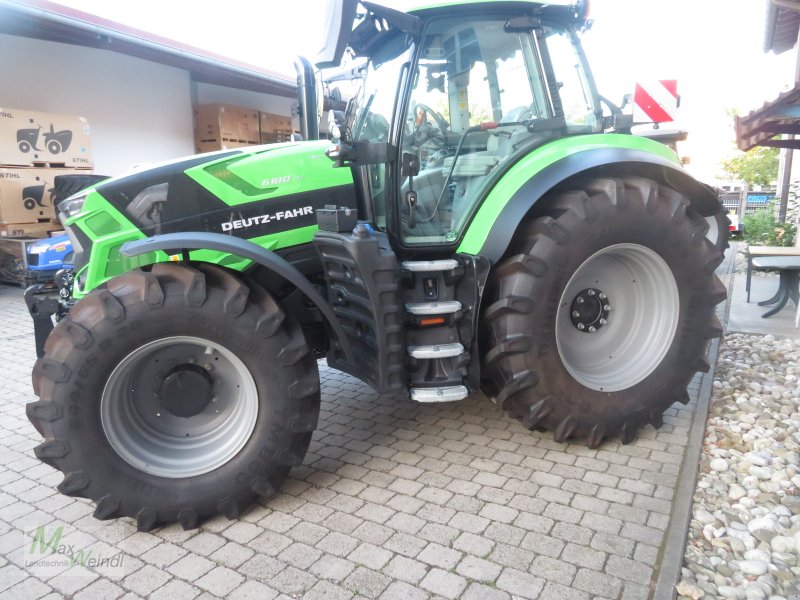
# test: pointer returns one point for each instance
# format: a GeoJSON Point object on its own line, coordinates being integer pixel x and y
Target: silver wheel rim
{"type": "Point", "coordinates": [151, 438]}
{"type": "Point", "coordinates": [644, 306]}
{"type": "Point", "coordinates": [713, 230]}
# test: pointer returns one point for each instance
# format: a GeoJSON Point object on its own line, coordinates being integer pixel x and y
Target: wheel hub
{"type": "Point", "coordinates": [589, 310]}
{"type": "Point", "coordinates": [186, 390]}
{"type": "Point", "coordinates": [165, 414]}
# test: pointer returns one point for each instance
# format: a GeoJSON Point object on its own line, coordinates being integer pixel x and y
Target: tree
{"type": "Point", "coordinates": [758, 166]}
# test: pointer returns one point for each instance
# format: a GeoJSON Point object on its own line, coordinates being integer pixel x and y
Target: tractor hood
{"type": "Point", "coordinates": [243, 192]}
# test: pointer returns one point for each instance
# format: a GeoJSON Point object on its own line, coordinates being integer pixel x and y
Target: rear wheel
{"type": "Point", "coordinates": [175, 395]}
{"type": "Point", "coordinates": [598, 316]}
{"type": "Point", "coordinates": [719, 229]}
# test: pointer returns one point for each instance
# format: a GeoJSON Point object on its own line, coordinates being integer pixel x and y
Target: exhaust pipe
{"type": "Point", "coordinates": [307, 98]}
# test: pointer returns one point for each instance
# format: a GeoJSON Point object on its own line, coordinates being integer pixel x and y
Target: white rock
{"type": "Point", "coordinates": [781, 511]}
{"type": "Point", "coordinates": [718, 464]}
{"type": "Point", "coordinates": [756, 459]}
{"type": "Point", "coordinates": [753, 567]}
{"type": "Point", "coordinates": [763, 529]}
{"type": "Point", "coordinates": [704, 516]}
{"type": "Point", "coordinates": [769, 487]}
{"type": "Point", "coordinates": [687, 589]}
{"type": "Point", "coordinates": [758, 555]}
{"type": "Point", "coordinates": [736, 491]}
{"type": "Point", "coordinates": [753, 592]}
{"type": "Point", "coordinates": [728, 591]}
{"type": "Point", "coordinates": [762, 473]}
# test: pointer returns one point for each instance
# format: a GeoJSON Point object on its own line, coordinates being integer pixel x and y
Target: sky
{"type": "Point", "coordinates": [714, 48]}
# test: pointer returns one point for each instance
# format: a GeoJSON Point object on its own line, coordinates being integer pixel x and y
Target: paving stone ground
{"type": "Point", "coordinates": [394, 501]}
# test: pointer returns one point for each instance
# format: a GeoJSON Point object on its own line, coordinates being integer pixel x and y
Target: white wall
{"type": "Point", "coordinates": [207, 93]}
{"type": "Point", "coordinates": [139, 111]}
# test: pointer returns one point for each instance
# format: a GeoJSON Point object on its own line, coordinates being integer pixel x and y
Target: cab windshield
{"type": "Point", "coordinates": [483, 94]}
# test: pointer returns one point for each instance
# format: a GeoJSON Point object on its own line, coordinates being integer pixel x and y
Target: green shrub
{"type": "Point", "coordinates": [762, 228]}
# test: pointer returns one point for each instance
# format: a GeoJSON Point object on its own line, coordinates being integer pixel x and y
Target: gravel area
{"type": "Point", "coordinates": [744, 536]}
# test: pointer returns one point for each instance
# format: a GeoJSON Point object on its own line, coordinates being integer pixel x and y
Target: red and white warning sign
{"type": "Point", "coordinates": [655, 101]}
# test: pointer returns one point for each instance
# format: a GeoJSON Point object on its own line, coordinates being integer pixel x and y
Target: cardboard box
{"type": "Point", "coordinates": [31, 139]}
{"type": "Point", "coordinates": [214, 145]}
{"type": "Point", "coordinates": [224, 122]}
{"type": "Point", "coordinates": [26, 194]}
{"type": "Point", "coordinates": [29, 230]}
{"type": "Point", "coordinates": [274, 128]}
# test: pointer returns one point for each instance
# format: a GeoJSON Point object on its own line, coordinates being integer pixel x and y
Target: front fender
{"type": "Point", "coordinates": [529, 180]}
{"type": "Point", "coordinates": [183, 242]}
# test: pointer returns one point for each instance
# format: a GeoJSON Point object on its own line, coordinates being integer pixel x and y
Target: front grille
{"type": "Point", "coordinates": [33, 260]}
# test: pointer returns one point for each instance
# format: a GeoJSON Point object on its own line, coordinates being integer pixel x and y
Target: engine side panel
{"type": "Point", "coordinates": [268, 196]}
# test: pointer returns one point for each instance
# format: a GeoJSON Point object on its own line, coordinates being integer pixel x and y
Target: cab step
{"type": "Point", "coordinates": [429, 266]}
{"type": "Point", "coordinates": [436, 351]}
{"type": "Point", "coordinates": [433, 308]}
{"type": "Point", "coordinates": [439, 394]}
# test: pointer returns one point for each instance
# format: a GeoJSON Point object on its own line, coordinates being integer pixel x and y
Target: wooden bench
{"type": "Point", "coordinates": [788, 268]}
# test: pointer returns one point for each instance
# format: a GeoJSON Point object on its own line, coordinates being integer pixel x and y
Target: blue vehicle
{"type": "Point", "coordinates": [47, 256]}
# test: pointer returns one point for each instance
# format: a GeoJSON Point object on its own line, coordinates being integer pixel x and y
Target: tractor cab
{"type": "Point", "coordinates": [447, 99]}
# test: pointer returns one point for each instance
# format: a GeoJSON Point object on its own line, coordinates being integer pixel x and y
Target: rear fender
{"type": "Point", "coordinates": [504, 209]}
{"type": "Point", "coordinates": [182, 243]}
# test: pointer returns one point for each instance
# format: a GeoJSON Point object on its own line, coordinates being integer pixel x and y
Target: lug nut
{"type": "Point", "coordinates": [603, 321]}
{"type": "Point", "coordinates": [607, 307]}
{"type": "Point", "coordinates": [580, 300]}
{"type": "Point", "coordinates": [591, 292]}
{"type": "Point", "coordinates": [581, 326]}
{"type": "Point", "coordinates": [592, 329]}
{"type": "Point", "coordinates": [576, 314]}
{"type": "Point", "coordinates": [603, 296]}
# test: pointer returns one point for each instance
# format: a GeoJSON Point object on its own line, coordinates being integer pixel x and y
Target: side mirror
{"type": "Point", "coordinates": [339, 15]}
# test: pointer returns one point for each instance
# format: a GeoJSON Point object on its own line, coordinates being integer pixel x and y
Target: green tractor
{"type": "Point", "coordinates": [476, 225]}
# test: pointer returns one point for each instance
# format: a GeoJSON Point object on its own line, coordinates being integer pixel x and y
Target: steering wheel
{"type": "Point", "coordinates": [429, 138]}
{"type": "Point", "coordinates": [420, 116]}
{"type": "Point", "coordinates": [376, 128]}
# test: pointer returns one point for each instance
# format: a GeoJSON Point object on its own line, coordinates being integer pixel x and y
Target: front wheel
{"type": "Point", "coordinates": [598, 316]}
{"type": "Point", "coordinates": [175, 395]}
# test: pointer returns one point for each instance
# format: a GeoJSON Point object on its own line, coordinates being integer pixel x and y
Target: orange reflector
{"type": "Point", "coordinates": [432, 321]}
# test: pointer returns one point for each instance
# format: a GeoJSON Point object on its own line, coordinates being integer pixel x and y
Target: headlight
{"type": "Point", "coordinates": [72, 205]}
